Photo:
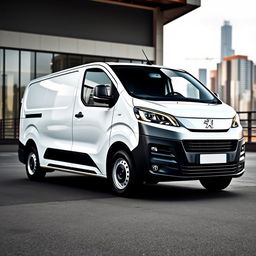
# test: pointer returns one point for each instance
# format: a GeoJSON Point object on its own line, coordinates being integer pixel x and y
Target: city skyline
{"type": "Point", "coordinates": [194, 40]}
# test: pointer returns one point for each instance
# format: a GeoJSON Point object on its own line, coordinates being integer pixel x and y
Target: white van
{"type": "Point", "coordinates": [129, 123]}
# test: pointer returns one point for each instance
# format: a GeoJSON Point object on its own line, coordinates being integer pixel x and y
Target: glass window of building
{"type": "Point", "coordinates": [59, 62]}
{"type": "Point", "coordinates": [124, 61]}
{"type": "Point", "coordinates": [90, 59]}
{"type": "Point", "coordinates": [111, 59]}
{"type": "Point", "coordinates": [74, 60]}
{"type": "Point", "coordinates": [27, 69]}
{"type": "Point", "coordinates": [137, 61]}
{"type": "Point", "coordinates": [43, 63]}
{"type": "Point", "coordinates": [1, 85]}
{"type": "Point", "coordinates": [11, 84]}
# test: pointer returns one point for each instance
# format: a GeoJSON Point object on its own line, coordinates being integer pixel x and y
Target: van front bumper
{"type": "Point", "coordinates": [162, 155]}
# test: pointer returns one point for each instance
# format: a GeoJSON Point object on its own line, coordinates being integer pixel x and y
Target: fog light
{"type": "Point", "coordinates": [155, 149]}
{"type": "Point", "coordinates": [155, 168]}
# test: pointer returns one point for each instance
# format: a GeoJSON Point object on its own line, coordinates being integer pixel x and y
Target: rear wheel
{"type": "Point", "coordinates": [216, 184]}
{"type": "Point", "coordinates": [33, 169]}
{"type": "Point", "coordinates": [122, 173]}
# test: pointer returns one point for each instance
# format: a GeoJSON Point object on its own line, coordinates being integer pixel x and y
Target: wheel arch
{"type": "Point", "coordinates": [113, 149]}
{"type": "Point", "coordinates": [29, 144]}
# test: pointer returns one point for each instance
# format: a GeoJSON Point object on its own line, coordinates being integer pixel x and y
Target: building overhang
{"type": "Point", "coordinates": [178, 11]}
{"type": "Point", "coordinates": [171, 9]}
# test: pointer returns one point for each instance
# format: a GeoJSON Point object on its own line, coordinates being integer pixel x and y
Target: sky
{"type": "Point", "coordinates": [194, 37]}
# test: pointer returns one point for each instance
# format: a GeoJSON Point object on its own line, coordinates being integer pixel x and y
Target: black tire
{"type": "Point", "coordinates": [122, 174]}
{"type": "Point", "coordinates": [33, 169]}
{"type": "Point", "coordinates": [215, 184]}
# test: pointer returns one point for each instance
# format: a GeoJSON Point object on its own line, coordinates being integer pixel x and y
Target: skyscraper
{"type": "Point", "coordinates": [203, 75]}
{"type": "Point", "coordinates": [226, 40]}
{"type": "Point", "coordinates": [213, 81]}
{"type": "Point", "coordinates": [235, 82]}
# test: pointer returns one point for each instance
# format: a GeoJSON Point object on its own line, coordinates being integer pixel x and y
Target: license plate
{"type": "Point", "coordinates": [213, 158]}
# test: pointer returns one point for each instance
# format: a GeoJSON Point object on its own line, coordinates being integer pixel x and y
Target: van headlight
{"type": "Point", "coordinates": [148, 115]}
{"type": "Point", "coordinates": [235, 121]}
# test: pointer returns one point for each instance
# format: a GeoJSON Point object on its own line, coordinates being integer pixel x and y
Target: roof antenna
{"type": "Point", "coordinates": [148, 61]}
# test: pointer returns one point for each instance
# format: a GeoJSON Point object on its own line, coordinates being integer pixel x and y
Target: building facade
{"type": "Point", "coordinates": [226, 40]}
{"type": "Point", "coordinates": [213, 81]}
{"type": "Point", "coordinates": [235, 82]}
{"type": "Point", "coordinates": [254, 89]}
{"type": "Point", "coordinates": [202, 75]}
{"type": "Point", "coordinates": [40, 37]}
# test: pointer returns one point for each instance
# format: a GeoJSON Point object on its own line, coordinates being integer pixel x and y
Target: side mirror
{"type": "Point", "coordinates": [101, 94]}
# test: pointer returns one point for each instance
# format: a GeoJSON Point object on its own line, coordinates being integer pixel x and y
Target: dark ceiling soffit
{"type": "Point", "coordinates": [171, 11]}
{"type": "Point", "coordinates": [163, 5]}
{"type": "Point", "coordinates": [172, 14]}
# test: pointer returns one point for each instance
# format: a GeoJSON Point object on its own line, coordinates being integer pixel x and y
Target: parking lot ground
{"type": "Point", "coordinates": [78, 215]}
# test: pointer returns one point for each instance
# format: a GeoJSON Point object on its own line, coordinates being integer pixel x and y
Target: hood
{"type": "Point", "coordinates": [194, 115]}
{"type": "Point", "coordinates": [188, 109]}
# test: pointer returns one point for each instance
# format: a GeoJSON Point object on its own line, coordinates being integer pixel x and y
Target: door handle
{"type": "Point", "coordinates": [79, 115]}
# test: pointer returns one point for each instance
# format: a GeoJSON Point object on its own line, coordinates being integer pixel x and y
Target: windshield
{"type": "Point", "coordinates": [154, 83]}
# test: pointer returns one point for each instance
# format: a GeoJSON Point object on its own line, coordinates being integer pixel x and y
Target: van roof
{"type": "Point", "coordinates": [104, 64]}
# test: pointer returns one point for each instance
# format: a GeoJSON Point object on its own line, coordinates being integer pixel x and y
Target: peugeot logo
{"type": "Point", "coordinates": [208, 123]}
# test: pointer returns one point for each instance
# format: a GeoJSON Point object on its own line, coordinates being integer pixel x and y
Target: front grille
{"type": "Point", "coordinates": [210, 145]}
{"type": "Point", "coordinates": [212, 170]}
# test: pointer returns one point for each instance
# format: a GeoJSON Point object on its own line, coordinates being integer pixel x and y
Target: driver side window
{"type": "Point", "coordinates": [93, 77]}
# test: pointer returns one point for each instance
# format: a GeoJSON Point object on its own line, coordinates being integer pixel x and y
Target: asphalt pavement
{"type": "Point", "coordinates": [78, 215]}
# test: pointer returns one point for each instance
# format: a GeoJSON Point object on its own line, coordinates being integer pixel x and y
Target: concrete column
{"type": "Point", "coordinates": [158, 36]}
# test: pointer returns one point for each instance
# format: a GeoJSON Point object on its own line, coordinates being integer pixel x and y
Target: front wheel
{"type": "Point", "coordinates": [216, 184]}
{"type": "Point", "coordinates": [33, 169]}
{"type": "Point", "coordinates": [122, 173]}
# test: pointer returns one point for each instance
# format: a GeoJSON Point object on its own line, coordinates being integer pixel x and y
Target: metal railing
{"type": "Point", "coordinates": [248, 121]}
{"type": "Point", "coordinates": [9, 128]}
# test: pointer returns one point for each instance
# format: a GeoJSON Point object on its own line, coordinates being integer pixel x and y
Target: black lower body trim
{"type": "Point", "coordinates": [21, 153]}
{"type": "Point", "coordinates": [160, 176]}
{"type": "Point", "coordinates": [69, 157]}
{"type": "Point", "coordinates": [70, 168]}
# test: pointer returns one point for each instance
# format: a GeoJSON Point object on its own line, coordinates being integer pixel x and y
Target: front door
{"type": "Point", "coordinates": [92, 123]}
